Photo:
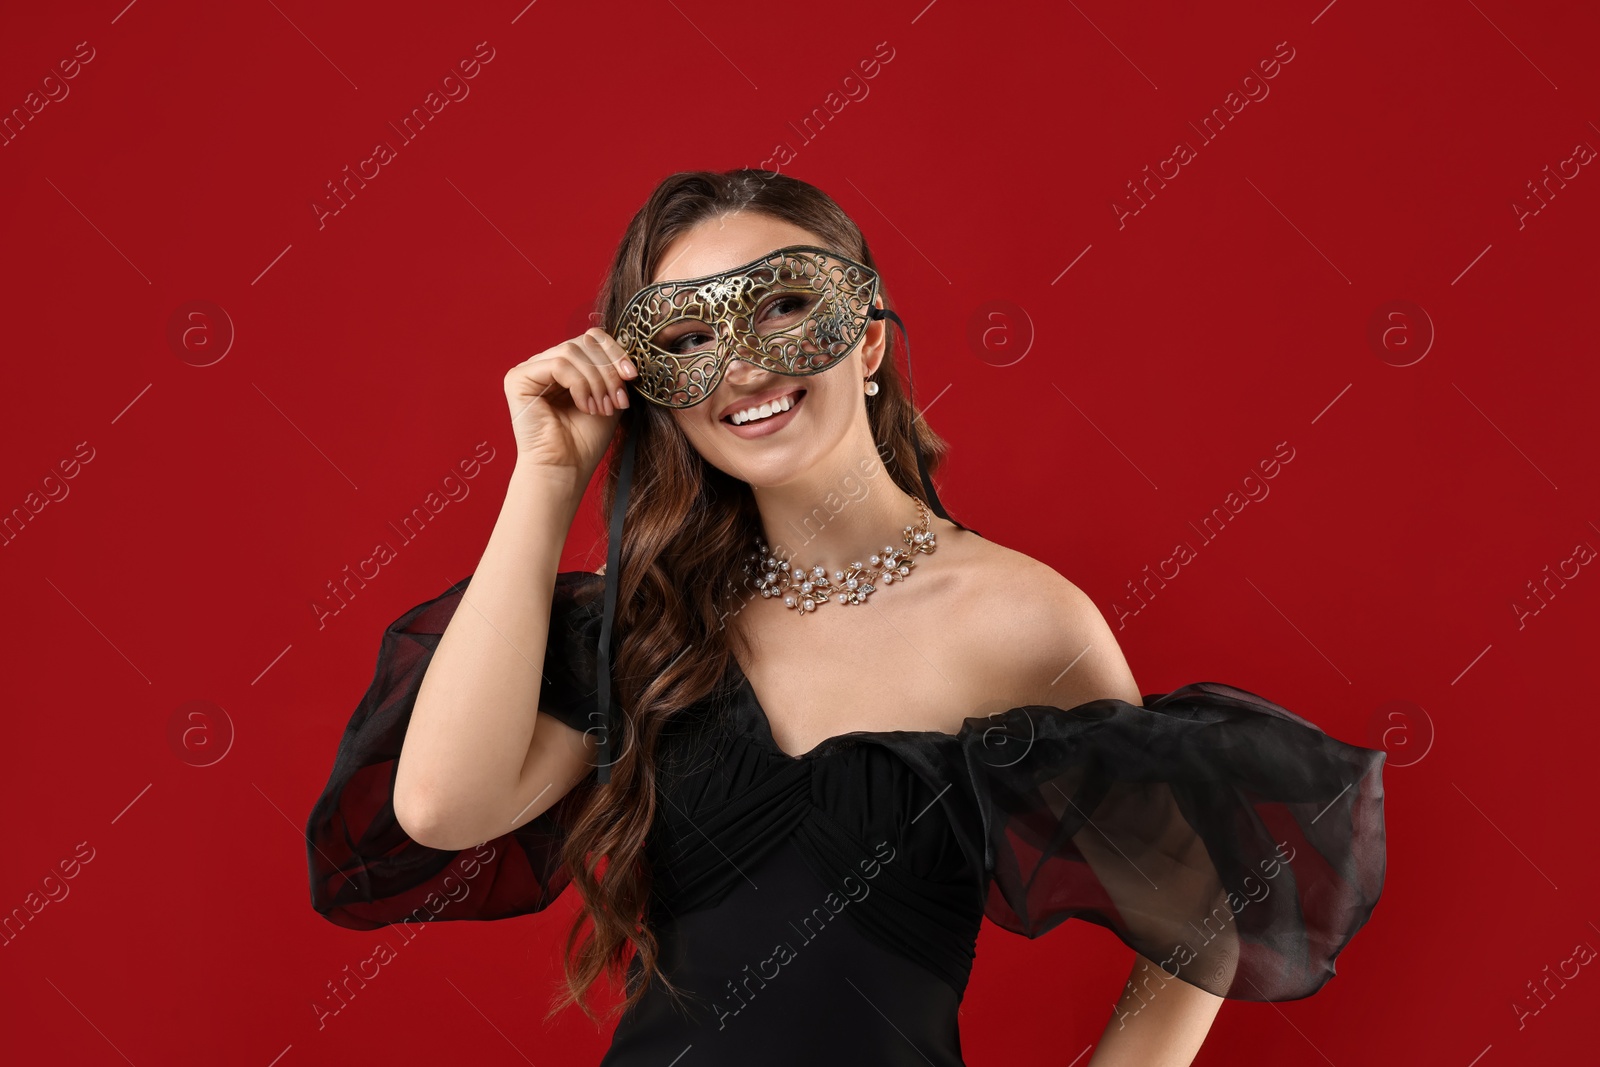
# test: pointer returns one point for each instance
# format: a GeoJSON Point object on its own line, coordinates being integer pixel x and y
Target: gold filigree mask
{"type": "Point", "coordinates": [797, 310]}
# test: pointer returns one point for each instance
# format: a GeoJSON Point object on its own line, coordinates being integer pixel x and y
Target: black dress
{"type": "Point", "coordinates": [825, 907]}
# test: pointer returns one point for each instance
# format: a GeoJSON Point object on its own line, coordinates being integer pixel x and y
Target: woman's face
{"type": "Point", "coordinates": [827, 407]}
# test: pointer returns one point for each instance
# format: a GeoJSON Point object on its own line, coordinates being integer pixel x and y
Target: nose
{"type": "Point", "coordinates": [742, 373]}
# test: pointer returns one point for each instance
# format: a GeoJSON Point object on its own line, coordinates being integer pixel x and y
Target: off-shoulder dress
{"type": "Point", "coordinates": [824, 908]}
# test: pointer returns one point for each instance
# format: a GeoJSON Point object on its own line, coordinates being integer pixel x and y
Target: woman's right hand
{"type": "Point", "coordinates": [564, 402]}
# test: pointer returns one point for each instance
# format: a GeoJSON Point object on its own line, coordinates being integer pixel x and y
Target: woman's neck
{"type": "Point", "coordinates": [835, 522]}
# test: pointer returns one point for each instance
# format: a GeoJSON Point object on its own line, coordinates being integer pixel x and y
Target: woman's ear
{"type": "Point", "coordinates": [876, 342]}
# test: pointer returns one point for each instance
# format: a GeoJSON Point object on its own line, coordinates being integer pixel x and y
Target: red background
{"type": "Point", "coordinates": [1110, 407]}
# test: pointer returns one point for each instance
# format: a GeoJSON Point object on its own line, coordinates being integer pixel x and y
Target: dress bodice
{"type": "Point", "coordinates": [863, 809]}
{"type": "Point", "coordinates": [1222, 837]}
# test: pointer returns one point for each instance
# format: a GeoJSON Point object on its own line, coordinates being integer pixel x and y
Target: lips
{"type": "Point", "coordinates": [793, 394]}
{"type": "Point", "coordinates": [772, 424]}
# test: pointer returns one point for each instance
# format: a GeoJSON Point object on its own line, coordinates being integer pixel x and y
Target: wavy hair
{"type": "Point", "coordinates": [688, 526]}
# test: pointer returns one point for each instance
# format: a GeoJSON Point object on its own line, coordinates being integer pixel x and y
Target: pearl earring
{"type": "Point", "coordinates": [871, 387]}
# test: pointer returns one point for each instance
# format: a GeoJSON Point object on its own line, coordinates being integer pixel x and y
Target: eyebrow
{"type": "Point", "coordinates": [752, 264]}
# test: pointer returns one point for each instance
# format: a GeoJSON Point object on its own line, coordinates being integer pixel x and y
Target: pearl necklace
{"type": "Point", "coordinates": [803, 591]}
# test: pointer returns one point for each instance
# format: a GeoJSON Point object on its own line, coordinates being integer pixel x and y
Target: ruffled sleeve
{"type": "Point", "coordinates": [1225, 839]}
{"type": "Point", "coordinates": [365, 871]}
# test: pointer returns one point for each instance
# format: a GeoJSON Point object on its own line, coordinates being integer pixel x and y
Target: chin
{"type": "Point", "coordinates": [775, 471]}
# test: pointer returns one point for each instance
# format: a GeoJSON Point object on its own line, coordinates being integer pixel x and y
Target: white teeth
{"type": "Point", "coordinates": [777, 407]}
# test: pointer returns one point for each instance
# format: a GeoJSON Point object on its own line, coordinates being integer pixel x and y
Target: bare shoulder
{"type": "Point", "coordinates": [1037, 638]}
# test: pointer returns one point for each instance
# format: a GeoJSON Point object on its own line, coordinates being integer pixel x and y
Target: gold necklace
{"type": "Point", "coordinates": [803, 590]}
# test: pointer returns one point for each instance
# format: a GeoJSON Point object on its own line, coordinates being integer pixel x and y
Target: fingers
{"type": "Point", "coordinates": [613, 364]}
{"type": "Point", "coordinates": [590, 392]}
{"type": "Point", "coordinates": [537, 376]}
{"type": "Point", "coordinates": [592, 368]}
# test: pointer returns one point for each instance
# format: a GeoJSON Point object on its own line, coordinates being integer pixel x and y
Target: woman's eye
{"type": "Point", "coordinates": [786, 306]}
{"type": "Point", "coordinates": [779, 312]}
{"type": "Point", "coordinates": [679, 345]}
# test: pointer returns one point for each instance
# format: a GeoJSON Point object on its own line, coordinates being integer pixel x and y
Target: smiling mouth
{"type": "Point", "coordinates": [793, 399]}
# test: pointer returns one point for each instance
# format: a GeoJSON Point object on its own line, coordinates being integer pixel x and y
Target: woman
{"type": "Point", "coordinates": [801, 875]}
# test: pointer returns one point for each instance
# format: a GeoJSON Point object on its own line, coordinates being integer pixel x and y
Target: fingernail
{"type": "Point", "coordinates": [628, 368]}
{"type": "Point", "coordinates": [622, 397]}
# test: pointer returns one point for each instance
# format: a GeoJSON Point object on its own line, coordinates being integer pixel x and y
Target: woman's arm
{"type": "Point", "coordinates": [1159, 1021]}
{"type": "Point", "coordinates": [473, 766]}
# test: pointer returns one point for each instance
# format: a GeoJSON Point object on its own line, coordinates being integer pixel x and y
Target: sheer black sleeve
{"type": "Point", "coordinates": [365, 871]}
{"type": "Point", "coordinates": [1227, 840]}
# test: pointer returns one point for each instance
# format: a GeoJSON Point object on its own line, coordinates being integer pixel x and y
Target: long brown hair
{"type": "Point", "coordinates": [688, 527]}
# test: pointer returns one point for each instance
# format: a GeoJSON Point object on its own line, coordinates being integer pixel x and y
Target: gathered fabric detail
{"type": "Point", "coordinates": [1221, 836]}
